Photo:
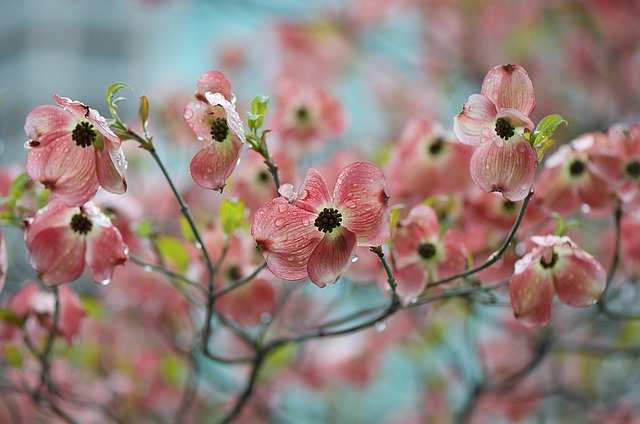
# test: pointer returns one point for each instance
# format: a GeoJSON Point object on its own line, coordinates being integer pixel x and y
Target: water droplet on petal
{"type": "Point", "coordinates": [265, 318]}
{"type": "Point", "coordinates": [279, 222]}
{"type": "Point", "coordinates": [585, 208]}
{"type": "Point", "coordinates": [381, 326]}
{"type": "Point", "coordinates": [354, 260]}
{"type": "Point", "coordinates": [282, 208]}
{"type": "Point", "coordinates": [200, 138]}
{"type": "Point", "coordinates": [105, 282]}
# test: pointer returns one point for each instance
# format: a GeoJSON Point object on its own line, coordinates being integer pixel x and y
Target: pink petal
{"type": "Point", "coordinates": [422, 222]}
{"type": "Point", "coordinates": [532, 294]}
{"type": "Point", "coordinates": [608, 167]}
{"type": "Point", "coordinates": [212, 165]}
{"type": "Point", "coordinates": [111, 167]}
{"type": "Point", "coordinates": [411, 281]}
{"type": "Point", "coordinates": [286, 236]}
{"type": "Point", "coordinates": [509, 86]}
{"type": "Point", "coordinates": [105, 250]}
{"type": "Point", "coordinates": [47, 124]}
{"type": "Point", "coordinates": [360, 196]}
{"type": "Point", "coordinates": [213, 82]}
{"type": "Point", "coordinates": [68, 170]}
{"type": "Point", "coordinates": [196, 115]}
{"type": "Point", "coordinates": [79, 110]}
{"type": "Point", "coordinates": [71, 313]}
{"type": "Point", "coordinates": [20, 302]}
{"type": "Point", "coordinates": [331, 257]}
{"type": "Point", "coordinates": [455, 254]}
{"type": "Point", "coordinates": [578, 278]}
{"type": "Point", "coordinates": [476, 123]}
{"type": "Point", "coordinates": [509, 169]}
{"type": "Point", "coordinates": [516, 118]}
{"type": "Point", "coordinates": [57, 253]}
{"type": "Point", "coordinates": [313, 193]}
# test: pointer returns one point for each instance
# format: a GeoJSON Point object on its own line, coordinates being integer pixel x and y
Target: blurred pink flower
{"type": "Point", "coordinates": [494, 121]}
{"type": "Point", "coordinates": [61, 240]}
{"type": "Point", "coordinates": [213, 118]}
{"type": "Point", "coordinates": [310, 234]}
{"type": "Point", "coordinates": [554, 265]}
{"type": "Point", "coordinates": [73, 152]}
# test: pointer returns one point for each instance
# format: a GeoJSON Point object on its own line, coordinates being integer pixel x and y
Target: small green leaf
{"type": "Point", "coordinates": [231, 215]}
{"type": "Point", "coordinates": [143, 229]}
{"type": "Point", "coordinates": [279, 360]}
{"type": "Point", "coordinates": [10, 318]}
{"type": "Point", "coordinates": [187, 232]}
{"type": "Point", "coordinates": [173, 370]}
{"type": "Point", "coordinates": [541, 136]}
{"type": "Point", "coordinates": [259, 105]}
{"type": "Point", "coordinates": [111, 102]}
{"type": "Point", "coordinates": [174, 251]}
{"type": "Point", "coordinates": [17, 188]}
{"type": "Point", "coordinates": [143, 111]}
{"type": "Point", "coordinates": [13, 356]}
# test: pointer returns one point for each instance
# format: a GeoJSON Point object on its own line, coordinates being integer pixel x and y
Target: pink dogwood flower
{"type": "Point", "coordinates": [73, 152]}
{"type": "Point", "coordinates": [554, 265]}
{"type": "Point", "coordinates": [62, 240]}
{"type": "Point", "coordinates": [213, 118]}
{"type": "Point", "coordinates": [494, 122]}
{"type": "Point", "coordinates": [313, 234]}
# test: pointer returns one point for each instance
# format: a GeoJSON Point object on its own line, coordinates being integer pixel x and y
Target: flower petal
{"type": "Point", "coordinates": [71, 313]}
{"type": "Point", "coordinates": [509, 169]}
{"type": "Point", "coordinates": [111, 167]}
{"type": "Point", "coordinates": [213, 82]}
{"type": "Point", "coordinates": [313, 193]}
{"type": "Point", "coordinates": [47, 124]}
{"type": "Point", "coordinates": [57, 253]}
{"type": "Point", "coordinates": [532, 294]}
{"type": "Point", "coordinates": [196, 115]}
{"type": "Point", "coordinates": [105, 250]}
{"type": "Point", "coordinates": [233, 119]}
{"type": "Point", "coordinates": [475, 124]}
{"type": "Point", "coordinates": [411, 281]}
{"type": "Point", "coordinates": [286, 236]}
{"type": "Point", "coordinates": [359, 194]}
{"type": "Point", "coordinates": [509, 86]}
{"type": "Point", "coordinates": [331, 257]}
{"type": "Point", "coordinates": [578, 278]}
{"type": "Point", "coordinates": [212, 165]}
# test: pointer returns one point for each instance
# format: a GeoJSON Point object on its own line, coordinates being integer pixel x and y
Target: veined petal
{"type": "Point", "coordinates": [105, 250]}
{"type": "Point", "coordinates": [286, 236]}
{"type": "Point", "coordinates": [411, 281]}
{"type": "Point", "coordinates": [212, 165]}
{"type": "Point", "coordinates": [509, 169]}
{"type": "Point", "coordinates": [47, 124]}
{"type": "Point", "coordinates": [359, 195]}
{"type": "Point", "coordinates": [71, 313]}
{"type": "Point", "coordinates": [57, 254]}
{"type": "Point", "coordinates": [516, 118]}
{"type": "Point", "coordinates": [213, 82]}
{"type": "Point", "coordinates": [532, 293]}
{"type": "Point", "coordinates": [313, 193]}
{"type": "Point", "coordinates": [196, 115]}
{"type": "Point", "coordinates": [331, 257]}
{"type": "Point", "coordinates": [55, 214]}
{"type": "Point", "coordinates": [509, 86]}
{"type": "Point", "coordinates": [476, 123]}
{"type": "Point", "coordinates": [79, 110]}
{"type": "Point", "coordinates": [68, 170]}
{"type": "Point", "coordinates": [578, 278]}
{"type": "Point", "coordinates": [111, 167]}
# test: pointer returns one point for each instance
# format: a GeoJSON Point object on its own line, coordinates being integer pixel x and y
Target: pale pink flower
{"type": "Point", "coordinates": [62, 240]}
{"type": "Point", "coordinates": [494, 122]}
{"type": "Point", "coordinates": [313, 234]}
{"type": "Point", "coordinates": [422, 255]}
{"type": "Point", "coordinates": [73, 152]}
{"type": "Point", "coordinates": [213, 119]}
{"type": "Point", "coordinates": [555, 265]}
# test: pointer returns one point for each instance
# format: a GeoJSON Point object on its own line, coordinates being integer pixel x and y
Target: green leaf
{"type": "Point", "coordinates": [13, 356]}
{"type": "Point", "coordinates": [187, 232]}
{"type": "Point", "coordinates": [111, 102]}
{"type": "Point", "coordinates": [231, 215]}
{"type": "Point", "coordinates": [259, 105]}
{"type": "Point", "coordinates": [10, 318]}
{"type": "Point", "coordinates": [173, 251]}
{"type": "Point", "coordinates": [173, 370]}
{"type": "Point", "coordinates": [143, 229]}
{"type": "Point", "coordinates": [541, 136]}
{"type": "Point", "coordinates": [143, 111]}
{"type": "Point", "coordinates": [17, 188]}
{"type": "Point", "coordinates": [279, 360]}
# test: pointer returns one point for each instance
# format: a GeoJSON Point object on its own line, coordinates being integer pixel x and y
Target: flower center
{"type": "Point", "coordinates": [302, 114]}
{"type": "Point", "coordinates": [328, 219]}
{"type": "Point", "coordinates": [576, 168]}
{"type": "Point", "coordinates": [80, 224]}
{"type": "Point", "coordinates": [219, 129]}
{"type": "Point", "coordinates": [633, 169]}
{"type": "Point", "coordinates": [550, 264]}
{"type": "Point", "coordinates": [436, 146]}
{"type": "Point", "coordinates": [504, 129]}
{"type": "Point", "coordinates": [263, 176]}
{"type": "Point", "coordinates": [83, 134]}
{"type": "Point", "coordinates": [427, 250]}
{"type": "Point", "coordinates": [234, 273]}
{"type": "Point", "coordinates": [508, 205]}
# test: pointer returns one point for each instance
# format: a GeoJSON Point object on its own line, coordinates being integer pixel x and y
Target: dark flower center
{"type": "Point", "coordinates": [551, 263]}
{"type": "Point", "coordinates": [263, 176]}
{"type": "Point", "coordinates": [633, 169]}
{"type": "Point", "coordinates": [83, 134]}
{"type": "Point", "coordinates": [576, 168]}
{"type": "Point", "coordinates": [234, 273]}
{"type": "Point", "coordinates": [427, 250]}
{"type": "Point", "coordinates": [80, 224]}
{"type": "Point", "coordinates": [302, 114]}
{"type": "Point", "coordinates": [508, 205]}
{"type": "Point", "coordinates": [504, 129]}
{"type": "Point", "coordinates": [436, 146]}
{"type": "Point", "coordinates": [328, 219]}
{"type": "Point", "coordinates": [219, 129]}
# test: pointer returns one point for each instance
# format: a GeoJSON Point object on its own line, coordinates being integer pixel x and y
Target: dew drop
{"type": "Point", "coordinates": [265, 318]}
{"type": "Point", "coordinates": [282, 208]}
{"type": "Point", "coordinates": [105, 282]}
{"type": "Point", "coordinates": [354, 260]}
{"type": "Point", "coordinates": [306, 222]}
{"type": "Point", "coordinates": [200, 138]}
{"type": "Point", "coordinates": [381, 326]}
{"type": "Point", "coordinates": [147, 268]}
{"type": "Point", "coordinates": [585, 208]}
{"type": "Point", "coordinates": [198, 245]}
{"type": "Point", "coordinates": [413, 300]}
{"type": "Point", "coordinates": [279, 222]}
